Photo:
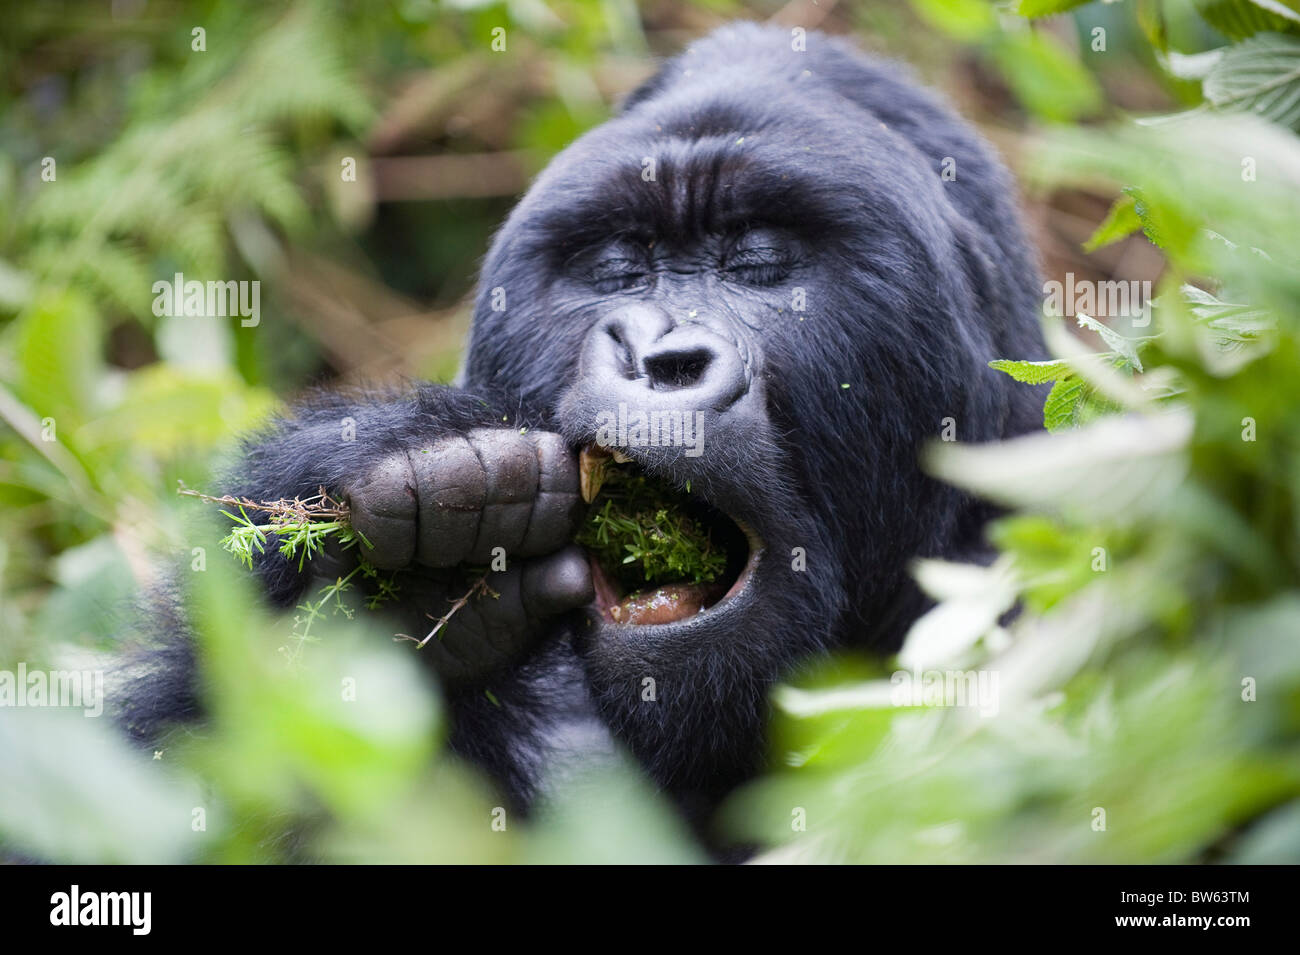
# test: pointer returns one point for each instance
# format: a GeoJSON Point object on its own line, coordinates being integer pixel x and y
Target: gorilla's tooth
{"type": "Point", "coordinates": [592, 462]}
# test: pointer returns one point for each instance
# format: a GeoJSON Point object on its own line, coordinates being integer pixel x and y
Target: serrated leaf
{"type": "Point", "coordinates": [1121, 221]}
{"type": "Point", "coordinates": [1261, 75]}
{"type": "Point", "coordinates": [1165, 227]}
{"type": "Point", "coordinates": [1126, 348]}
{"type": "Point", "coordinates": [1060, 408]}
{"type": "Point", "coordinates": [1033, 372]}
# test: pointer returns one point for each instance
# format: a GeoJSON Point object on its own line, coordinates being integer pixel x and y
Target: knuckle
{"type": "Point", "coordinates": [383, 511]}
{"type": "Point", "coordinates": [452, 489]}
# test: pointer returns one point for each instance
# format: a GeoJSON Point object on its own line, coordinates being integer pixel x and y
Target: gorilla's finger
{"type": "Point", "coordinates": [558, 503]}
{"type": "Point", "coordinates": [557, 583]}
{"type": "Point", "coordinates": [458, 500]}
{"type": "Point", "coordinates": [505, 625]}
{"type": "Point", "coordinates": [486, 633]}
{"type": "Point", "coordinates": [383, 508]}
{"type": "Point", "coordinates": [452, 489]}
{"type": "Point", "coordinates": [490, 632]}
{"type": "Point", "coordinates": [469, 636]}
{"type": "Point", "coordinates": [510, 461]}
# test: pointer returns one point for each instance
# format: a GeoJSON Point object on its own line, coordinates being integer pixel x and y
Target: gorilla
{"type": "Point", "coordinates": [798, 254]}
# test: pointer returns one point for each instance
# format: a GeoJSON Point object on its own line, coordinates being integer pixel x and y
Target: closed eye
{"type": "Point", "coordinates": [760, 265]}
{"type": "Point", "coordinates": [615, 274]}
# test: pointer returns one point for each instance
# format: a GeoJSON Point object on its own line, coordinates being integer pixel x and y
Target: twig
{"type": "Point", "coordinates": [479, 587]}
{"type": "Point", "coordinates": [317, 507]}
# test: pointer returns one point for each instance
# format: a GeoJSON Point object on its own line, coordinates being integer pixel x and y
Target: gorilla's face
{"type": "Point", "coordinates": [753, 250]}
{"type": "Point", "coordinates": [672, 268]}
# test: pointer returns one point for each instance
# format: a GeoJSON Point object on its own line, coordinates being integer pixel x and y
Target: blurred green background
{"type": "Point", "coordinates": [128, 154]}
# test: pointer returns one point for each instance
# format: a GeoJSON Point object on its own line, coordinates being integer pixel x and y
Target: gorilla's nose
{"type": "Point", "coordinates": [640, 354]}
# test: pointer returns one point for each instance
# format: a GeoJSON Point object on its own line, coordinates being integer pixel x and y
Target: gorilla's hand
{"type": "Point", "coordinates": [436, 484]}
{"type": "Point", "coordinates": [489, 630]}
{"type": "Point", "coordinates": [459, 498]}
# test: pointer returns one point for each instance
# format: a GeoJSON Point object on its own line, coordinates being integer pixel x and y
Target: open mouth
{"type": "Point", "coordinates": [657, 555]}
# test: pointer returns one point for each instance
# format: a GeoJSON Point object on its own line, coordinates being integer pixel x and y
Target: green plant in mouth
{"type": "Point", "coordinates": [642, 533]}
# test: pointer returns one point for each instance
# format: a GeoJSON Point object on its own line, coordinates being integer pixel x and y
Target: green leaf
{"type": "Point", "coordinates": [1126, 348]}
{"type": "Point", "coordinates": [58, 352]}
{"type": "Point", "coordinates": [1061, 410]}
{"type": "Point", "coordinates": [85, 796]}
{"type": "Point", "coordinates": [1047, 77]}
{"type": "Point", "coordinates": [1122, 220]}
{"type": "Point", "coordinates": [966, 20]}
{"type": "Point", "coordinates": [1260, 75]}
{"type": "Point", "coordinates": [1161, 225]}
{"type": "Point", "coordinates": [1047, 8]}
{"type": "Point", "coordinates": [1033, 372]}
{"type": "Point", "coordinates": [1151, 20]}
{"type": "Point", "coordinates": [1239, 19]}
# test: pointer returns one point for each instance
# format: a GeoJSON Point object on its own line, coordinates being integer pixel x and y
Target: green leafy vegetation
{"type": "Point", "coordinates": [1143, 706]}
{"type": "Point", "coordinates": [642, 533]}
{"type": "Point", "coordinates": [1146, 699]}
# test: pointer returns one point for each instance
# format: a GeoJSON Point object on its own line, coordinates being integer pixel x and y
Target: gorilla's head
{"type": "Point", "coordinates": [814, 261]}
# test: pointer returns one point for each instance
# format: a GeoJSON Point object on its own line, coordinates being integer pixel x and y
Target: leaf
{"type": "Point", "coordinates": [1262, 76]}
{"type": "Point", "coordinates": [1060, 408]}
{"type": "Point", "coordinates": [1239, 19]}
{"type": "Point", "coordinates": [1122, 220]}
{"type": "Point", "coordinates": [1191, 66]}
{"type": "Point", "coordinates": [1160, 225]}
{"type": "Point", "coordinates": [1033, 372]}
{"type": "Point", "coordinates": [966, 20]}
{"type": "Point", "coordinates": [1046, 8]}
{"type": "Point", "coordinates": [1121, 467]}
{"type": "Point", "coordinates": [58, 352]}
{"type": "Point", "coordinates": [1151, 19]}
{"type": "Point", "coordinates": [1046, 77]}
{"type": "Point", "coordinates": [85, 796]}
{"type": "Point", "coordinates": [1126, 348]}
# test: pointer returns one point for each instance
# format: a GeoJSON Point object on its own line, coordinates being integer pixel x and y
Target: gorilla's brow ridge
{"type": "Point", "coordinates": [702, 195]}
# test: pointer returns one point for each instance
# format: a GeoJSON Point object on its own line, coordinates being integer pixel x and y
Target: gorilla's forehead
{"type": "Point", "coordinates": [705, 159]}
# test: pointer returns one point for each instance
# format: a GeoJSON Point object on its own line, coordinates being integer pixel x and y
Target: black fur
{"type": "Point", "coordinates": [913, 284]}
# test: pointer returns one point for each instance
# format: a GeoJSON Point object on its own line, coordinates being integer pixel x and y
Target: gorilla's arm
{"type": "Point", "coordinates": [437, 480]}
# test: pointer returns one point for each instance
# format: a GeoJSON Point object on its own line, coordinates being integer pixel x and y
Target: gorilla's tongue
{"type": "Point", "coordinates": [666, 603]}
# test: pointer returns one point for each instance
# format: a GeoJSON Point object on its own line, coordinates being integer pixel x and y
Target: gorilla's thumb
{"type": "Point", "coordinates": [556, 583]}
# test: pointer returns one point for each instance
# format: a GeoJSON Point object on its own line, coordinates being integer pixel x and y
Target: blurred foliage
{"type": "Point", "coordinates": [1147, 702]}
{"type": "Point", "coordinates": [1155, 550]}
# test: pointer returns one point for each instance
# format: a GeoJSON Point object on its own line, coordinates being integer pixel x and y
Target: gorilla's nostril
{"type": "Point", "coordinates": [639, 352]}
{"type": "Point", "coordinates": [622, 352]}
{"type": "Point", "coordinates": [676, 369]}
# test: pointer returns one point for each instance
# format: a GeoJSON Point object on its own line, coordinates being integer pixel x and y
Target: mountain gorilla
{"type": "Point", "coordinates": [797, 250]}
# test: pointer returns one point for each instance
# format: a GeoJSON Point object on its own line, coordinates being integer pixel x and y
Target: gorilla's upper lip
{"type": "Point", "coordinates": [671, 605]}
